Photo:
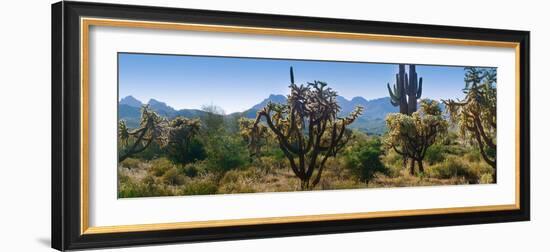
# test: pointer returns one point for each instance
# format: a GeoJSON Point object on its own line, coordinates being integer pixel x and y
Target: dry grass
{"type": "Point", "coordinates": [160, 177]}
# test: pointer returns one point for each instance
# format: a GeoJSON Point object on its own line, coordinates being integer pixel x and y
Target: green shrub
{"type": "Point", "coordinates": [458, 150]}
{"type": "Point", "coordinates": [147, 187]}
{"type": "Point", "coordinates": [276, 155]}
{"type": "Point", "coordinates": [451, 167]}
{"type": "Point", "coordinates": [226, 153]}
{"type": "Point", "coordinates": [363, 160]}
{"type": "Point", "coordinates": [200, 187]}
{"type": "Point", "coordinates": [240, 181]}
{"type": "Point", "coordinates": [123, 178]}
{"type": "Point", "coordinates": [394, 163]}
{"type": "Point", "coordinates": [473, 156]}
{"type": "Point", "coordinates": [434, 154]}
{"type": "Point", "coordinates": [184, 154]}
{"type": "Point", "coordinates": [130, 163]}
{"type": "Point", "coordinates": [192, 170]}
{"type": "Point", "coordinates": [172, 177]}
{"type": "Point", "coordinates": [486, 178]}
{"type": "Point", "coordinates": [450, 139]}
{"type": "Point", "coordinates": [153, 151]}
{"type": "Point", "coordinates": [160, 166]}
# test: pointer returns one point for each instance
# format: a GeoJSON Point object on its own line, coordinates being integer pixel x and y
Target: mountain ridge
{"type": "Point", "coordinates": [371, 121]}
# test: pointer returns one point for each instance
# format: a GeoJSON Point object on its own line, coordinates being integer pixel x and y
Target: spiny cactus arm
{"type": "Point", "coordinates": [320, 171]}
{"type": "Point", "coordinates": [311, 126]}
{"type": "Point", "coordinates": [300, 174]}
{"type": "Point", "coordinates": [266, 113]}
{"type": "Point", "coordinates": [287, 149]}
{"type": "Point", "coordinates": [484, 155]}
{"type": "Point", "coordinates": [406, 84]}
{"type": "Point", "coordinates": [484, 136]}
{"type": "Point", "coordinates": [336, 145]}
{"type": "Point", "coordinates": [394, 98]}
{"type": "Point", "coordinates": [134, 149]}
{"type": "Point", "coordinates": [291, 75]}
{"type": "Point", "coordinates": [337, 141]}
{"type": "Point", "coordinates": [419, 91]}
{"type": "Point", "coordinates": [123, 132]}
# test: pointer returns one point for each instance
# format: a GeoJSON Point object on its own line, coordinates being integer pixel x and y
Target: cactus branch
{"type": "Point", "coordinates": [419, 92]}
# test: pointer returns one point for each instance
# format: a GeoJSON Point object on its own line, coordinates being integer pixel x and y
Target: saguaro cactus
{"type": "Point", "coordinates": [414, 89]}
{"type": "Point", "coordinates": [398, 96]}
{"type": "Point", "coordinates": [406, 90]}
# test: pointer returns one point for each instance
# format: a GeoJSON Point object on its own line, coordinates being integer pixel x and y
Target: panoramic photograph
{"type": "Point", "coordinates": [201, 125]}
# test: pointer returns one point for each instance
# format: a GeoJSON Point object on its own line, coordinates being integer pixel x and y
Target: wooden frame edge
{"type": "Point", "coordinates": [86, 22]}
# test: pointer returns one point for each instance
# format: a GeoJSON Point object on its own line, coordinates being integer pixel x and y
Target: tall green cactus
{"type": "Point", "coordinates": [414, 90]}
{"type": "Point", "coordinates": [398, 96]}
{"type": "Point", "coordinates": [406, 90]}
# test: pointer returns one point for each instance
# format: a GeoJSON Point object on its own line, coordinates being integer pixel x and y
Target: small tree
{"type": "Point", "coordinates": [476, 115]}
{"type": "Point", "coordinates": [151, 128]}
{"type": "Point", "coordinates": [308, 128]}
{"type": "Point", "coordinates": [213, 119]}
{"type": "Point", "coordinates": [412, 135]}
{"type": "Point", "coordinates": [181, 145]}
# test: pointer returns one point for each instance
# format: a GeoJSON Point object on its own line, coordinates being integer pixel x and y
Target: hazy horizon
{"type": "Point", "coordinates": [236, 84]}
{"type": "Point", "coordinates": [199, 108]}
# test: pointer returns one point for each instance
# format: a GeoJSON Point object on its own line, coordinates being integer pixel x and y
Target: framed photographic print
{"type": "Point", "coordinates": [180, 125]}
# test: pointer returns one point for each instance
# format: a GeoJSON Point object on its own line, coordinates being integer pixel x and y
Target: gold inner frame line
{"type": "Point", "coordinates": [86, 23]}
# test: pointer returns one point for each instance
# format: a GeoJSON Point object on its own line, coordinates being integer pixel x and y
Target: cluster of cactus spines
{"type": "Point", "coordinates": [406, 90]}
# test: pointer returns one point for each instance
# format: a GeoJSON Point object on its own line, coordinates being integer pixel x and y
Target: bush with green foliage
{"type": "Point", "coordinates": [363, 159]}
{"type": "Point", "coordinates": [173, 177]}
{"type": "Point", "coordinates": [153, 151]}
{"type": "Point", "coordinates": [147, 187]}
{"type": "Point", "coordinates": [435, 154]}
{"type": "Point", "coordinates": [194, 151]}
{"type": "Point", "coordinates": [200, 187]}
{"type": "Point", "coordinates": [130, 163]}
{"type": "Point", "coordinates": [193, 169]}
{"type": "Point", "coordinates": [213, 120]}
{"type": "Point", "coordinates": [473, 156]}
{"type": "Point", "coordinates": [226, 153]}
{"type": "Point", "coordinates": [238, 181]}
{"type": "Point", "coordinates": [182, 147]}
{"type": "Point", "coordinates": [160, 166]}
{"type": "Point", "coordinates": [454, 166]}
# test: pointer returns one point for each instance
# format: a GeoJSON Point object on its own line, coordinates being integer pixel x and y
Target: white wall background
{"type": "Point", "coordinates": [25, 125]}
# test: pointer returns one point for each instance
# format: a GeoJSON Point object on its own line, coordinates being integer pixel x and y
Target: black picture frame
{"type": "Point", "coordinates": [66, 155]}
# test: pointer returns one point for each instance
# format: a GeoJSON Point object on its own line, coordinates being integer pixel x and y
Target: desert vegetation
{"type": "Point", "coordinates": [307, 143]}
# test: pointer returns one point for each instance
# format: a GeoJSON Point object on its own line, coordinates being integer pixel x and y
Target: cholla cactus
{"type": "Point", "coordinates": [151, 128]}
{"type": "Point", "coordinates": [179, 135]}
{"type": "Point", "coordinates": [308, 128]}
{"type": "Point", "coordinates": [475, 115]}
{"type": "Point", "coordinates": [411, 136]}
{"type": "Point", "coordinates": [255, 136]}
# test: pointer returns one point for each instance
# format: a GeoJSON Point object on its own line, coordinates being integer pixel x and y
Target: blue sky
{"type": "Point", "coordinates": [236, 84]}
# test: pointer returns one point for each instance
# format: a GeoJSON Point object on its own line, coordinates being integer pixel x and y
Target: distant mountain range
{"type": "Point", "coordinates": [371, 121]}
